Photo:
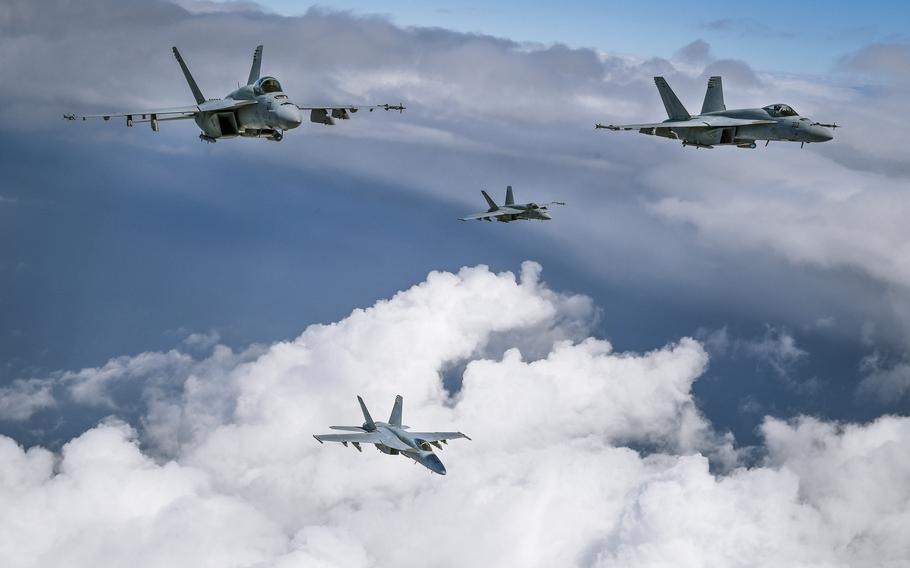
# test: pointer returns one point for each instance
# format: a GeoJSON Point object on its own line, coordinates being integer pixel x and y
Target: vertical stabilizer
{"type": "Point", "coordinates": [369, 425]}
{"type": "Point", "coordinates": [189, 78]}
{"type": "Point", "coordinates": [675, 109]}
{"type": "Point", "coordinates": [395, 418]}
{"type": "Point", "coordinates": [257, 63]}
{"type": "Point", "coordinates": [490, 202]}
{"type": "Point", "coordinates": [510, 199]}
{"type": "Point", "coordinates": [714, 96]}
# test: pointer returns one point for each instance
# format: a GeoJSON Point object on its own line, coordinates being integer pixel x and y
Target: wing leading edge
{"type": "Point", "coordinates": [363, 438]}
{"type": "Point", "coordinates": [501, 212]}
{"type": "Point", "coordinates": [326, 114]}
{"type": "Point", "coordinates": [700, 122]}
{"type": "Point", "coordinates": [437, 436]}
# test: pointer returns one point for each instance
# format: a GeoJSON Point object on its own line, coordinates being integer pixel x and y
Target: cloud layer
{"type": "Point", "coordinates": [550, 479]}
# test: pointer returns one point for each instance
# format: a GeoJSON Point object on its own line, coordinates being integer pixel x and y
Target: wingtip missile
{"type": "Point", "coordinates": [607, 126]}
{"type": "Point", "coordinates": [399, 107]}
{"type": "Point", "coordinates": [69, 116]}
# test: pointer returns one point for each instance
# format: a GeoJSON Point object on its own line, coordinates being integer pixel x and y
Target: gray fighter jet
{"type": "Point", "coordinates": [512, 211]}
{"type": "Point", "coordinates": [717, 126]}
{"type": "Point", "coordinates": [392, 438]}
{"type": "Point", "coordinates": [259, 109]}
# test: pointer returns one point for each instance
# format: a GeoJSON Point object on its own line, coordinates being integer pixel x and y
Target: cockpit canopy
{"type": "Point", "coordinates": [267, 85]}
{"type": "Point", "coordinates": [780, 110]}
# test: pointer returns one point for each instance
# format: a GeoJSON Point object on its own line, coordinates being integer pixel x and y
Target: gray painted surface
{"type": "Point", "coordinates": [512, 211]}
{"type": "Point", "coordinates": [717, 126]}
{"type": "Point", "coordinates": [259, 109]}
{"type": "Point", "coordinates": [394, 439]}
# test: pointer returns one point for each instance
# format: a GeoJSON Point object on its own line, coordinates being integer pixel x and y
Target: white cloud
{"type": "Point", "coordinates": [202, 341]}
{"type": "Point", "coordinates": [821, 216]}
{"type": "Point", "coordinates": [777, 347]}
{"type": "Point", "coordinates": [546, 481]}
{"type": "Point", "coordinates": [885, 381]}
{"type": "Point", "coordinates": [92, 385]}
{"type": "Point", "coordinates": [23, 397]}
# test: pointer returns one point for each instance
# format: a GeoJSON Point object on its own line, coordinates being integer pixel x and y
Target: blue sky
{"type": "Point", "coordinates": [797, 37]}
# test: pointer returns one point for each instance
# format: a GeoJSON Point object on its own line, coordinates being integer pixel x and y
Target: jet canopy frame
{"type": "Point", "coordinates": [780, 109]}
{"type": "Point", "coordinates": [267, 85]}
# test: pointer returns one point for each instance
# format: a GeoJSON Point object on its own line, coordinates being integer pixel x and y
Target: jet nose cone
{"type": "Point", "coordinates": [433, 464]}
{"type": "Point", "coordinates": [821, 134]}
{"type": "Point", "coordinates": [289, 116]}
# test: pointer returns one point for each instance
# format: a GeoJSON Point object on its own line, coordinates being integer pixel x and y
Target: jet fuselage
{"type": "Point", "coordinates": [790, 128]}
{"type": "Point", "coordinates": [269, 114]}
{"type": "Point", "coordinates": [421, 451]}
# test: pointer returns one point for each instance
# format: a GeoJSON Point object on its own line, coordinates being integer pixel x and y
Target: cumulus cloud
{"type": "Point", "coordinates": [549, 479]}
{"type": "Point", "coordinates": [884, 380]}
{"type": "Point", "coordinates": [812, 218]}
{"type": "Point", "coordinates": [777, 347]}
{"type": "Point", "coordinates": [23, 397]}
{"type": "Point", "coordinates": [888, 60]}
{"type": "Point", "coordinates": [92, 385]}
{"type": "Point", "coordinates": [698, 51]}
{"type": "Point", "coordinates": [202, 341]}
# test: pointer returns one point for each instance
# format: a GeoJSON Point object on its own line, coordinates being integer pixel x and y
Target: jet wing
{"type": "Point", "coordinates": [173, 113]}
{"type": "Point", "coordinates": [493, 214]}
{"type": "Point", "coordinates": [352, 108]}
{"type": "Point", "coordinates": [700, 122]}
{"type": "Point", "coordinates": [224, 104]}
{"type": "Point", "coordinates": [436, 436]}
{"type": "Point", "coordinates": [326, 114]}
{"type": "Point", "coordinates": [362, 437]}
{"type": "Point", "coordinates": [385, 438]}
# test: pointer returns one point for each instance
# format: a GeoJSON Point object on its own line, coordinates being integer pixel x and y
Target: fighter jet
{"type": "Point", "coordinates": [512, 211]}
{"type": "Point", "coordinates": [393, 439]}
{"type": "Point", "coordinates": [259, 109]}
{"type": "Point", "coordinates": [717, 126]}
